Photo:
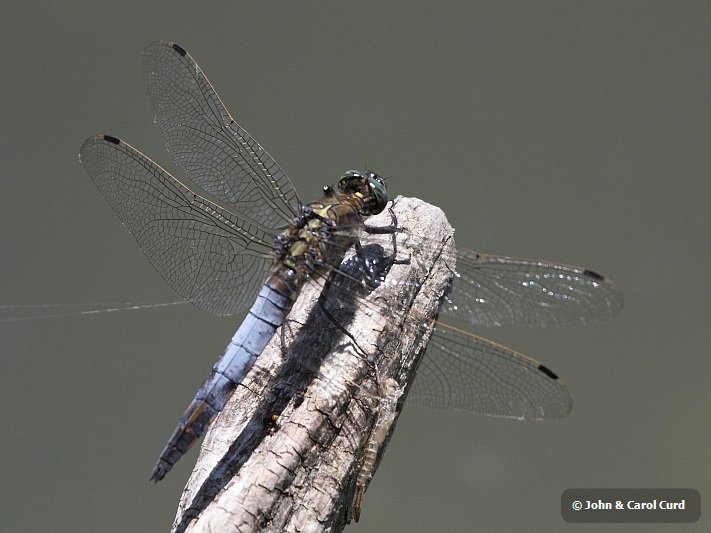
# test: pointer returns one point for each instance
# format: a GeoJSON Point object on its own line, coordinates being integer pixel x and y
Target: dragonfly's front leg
{"type": "Point", "coordinates": [374, 271]}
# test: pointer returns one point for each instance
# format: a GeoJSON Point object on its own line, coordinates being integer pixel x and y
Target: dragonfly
{"type": "Point", "coordinates": [238, 233]}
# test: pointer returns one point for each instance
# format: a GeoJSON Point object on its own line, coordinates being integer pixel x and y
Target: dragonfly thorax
{"type": "Point", "coordinates": [319, 235]}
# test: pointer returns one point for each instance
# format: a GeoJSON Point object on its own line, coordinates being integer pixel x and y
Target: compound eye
{"type": "Point", "coordinates": [352, 174]}
{"type": "Point", "coordinates": [378, 192]}
{"type": "Point", "coordinates": [352, 182]}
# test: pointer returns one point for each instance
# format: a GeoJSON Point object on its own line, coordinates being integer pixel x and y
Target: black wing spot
{"type": "Point", "coordinates": [179, 49]}
{"type": "Point", "coordinates": [548, 372]}
{"type": "Point", "coordinates": [593, 275]}
{"type": "Point", "coordinates": [111, 139]}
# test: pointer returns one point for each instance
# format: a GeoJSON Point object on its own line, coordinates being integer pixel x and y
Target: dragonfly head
{"type": "Point", "coordinates": [368, 187]}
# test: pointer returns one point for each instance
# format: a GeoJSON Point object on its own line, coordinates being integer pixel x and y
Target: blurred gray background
{"type": "Point", "coordinates": [569, 131]}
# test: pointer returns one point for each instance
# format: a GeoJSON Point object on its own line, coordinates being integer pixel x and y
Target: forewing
{"type": "Point", "coordinates": [213, 151]}
{"type": "Point", "coordinates": [207, 254]}
{"type": "Point", "coordinates": [492, 290]}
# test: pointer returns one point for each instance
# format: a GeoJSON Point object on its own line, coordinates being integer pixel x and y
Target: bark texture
{"type": "Point", "coordinates": [285, 452]}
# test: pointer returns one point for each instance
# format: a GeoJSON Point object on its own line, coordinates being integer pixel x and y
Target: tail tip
{"type": "Point", "coordinates": [159, 471]}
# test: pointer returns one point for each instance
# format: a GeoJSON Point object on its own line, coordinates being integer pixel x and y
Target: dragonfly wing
{"type": "Point", "coordinates": [208, 254]}
{"type": "Point", "coordinates": [465, 372]}
{"type": "Point", "coordinates": [492, 290]}
{"type": "Point", "coordinates": [213, 151]}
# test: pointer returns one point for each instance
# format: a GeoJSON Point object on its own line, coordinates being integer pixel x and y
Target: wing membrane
{"type": "Point", "coordinates": [213, 151]}
{"type": "Point", "coordinates": [490, 290]}
{"type": "Point", "coordinates": [209, 255]}
{"type": "Point", "coordinates": [465, 372]}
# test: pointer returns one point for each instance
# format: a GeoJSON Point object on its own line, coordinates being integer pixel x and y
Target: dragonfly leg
{"type": "Point", "coordinates": [390, 228]}
{"type": "Point", "coordinates": [393, 229]}
{"type": "Point", "coordinates": [375, 270]}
